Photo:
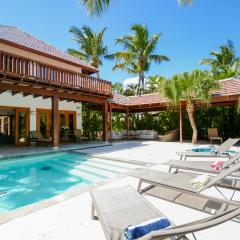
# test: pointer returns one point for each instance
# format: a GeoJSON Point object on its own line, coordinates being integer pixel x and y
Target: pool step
{"type": "Point", "coordinates": [120, 164]}
{"type": "Point", "coordinates": [99, 169]}
{"type": "Point", "coordinates": [104, 166]}
{"type": "Point", "coordinates": [91, 177]}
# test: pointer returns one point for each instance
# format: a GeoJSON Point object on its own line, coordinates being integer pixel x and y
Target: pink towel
{"type": "Point", "coordinates": [217, 166]}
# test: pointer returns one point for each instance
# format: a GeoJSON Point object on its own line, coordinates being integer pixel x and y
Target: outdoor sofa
{"type": "Point", "coordinates": [134, 134]}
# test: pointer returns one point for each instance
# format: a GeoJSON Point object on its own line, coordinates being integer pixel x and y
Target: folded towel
{"type": "Point", "coordinates": [141, 231]}
{"type": "Point", "coordinates": [200, 181]}
{"type": "Point", "coordinates": [217, 166]}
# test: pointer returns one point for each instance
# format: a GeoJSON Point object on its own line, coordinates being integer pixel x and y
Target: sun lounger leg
{"type": "Point", "coordinates": [221, 193]}
{"type": "Point", "coordinates": [93, 216]}
{"type": "Point", "coordinates": [139, 186]}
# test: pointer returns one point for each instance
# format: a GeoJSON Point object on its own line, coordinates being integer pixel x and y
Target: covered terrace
{"type": "Point", "coordinates": [227, 95]}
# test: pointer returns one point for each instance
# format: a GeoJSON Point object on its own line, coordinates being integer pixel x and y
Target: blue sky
{"type": "Point", "coordinates": [188, 33]}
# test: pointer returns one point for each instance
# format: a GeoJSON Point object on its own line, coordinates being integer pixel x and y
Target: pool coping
{"type": "Point", "coordinates": [49, 151]}
{"type": "Point", "coordinates": [67, 195]}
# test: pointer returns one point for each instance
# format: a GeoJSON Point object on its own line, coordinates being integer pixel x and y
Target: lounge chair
{"type": "Point", "coordinates": [219, 151]}
{"type": "Point", "coordinates": [199, 166]}
{"type": "Point", "coordinates": [79, 136]}
{"type": "Point", "coordinates": [213, 135]}
{"type": "Point", "coordinates": [37, 137]}
{"type": "Point", "coordinates": [120, 207]}
{"type": "Point", "coordinates": [183, 182]}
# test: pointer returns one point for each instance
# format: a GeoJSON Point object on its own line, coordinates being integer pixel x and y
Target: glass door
{"type": "Point", "coordinates": [44, 122]}
{"type": "Point", "coordinates": [22, 126]}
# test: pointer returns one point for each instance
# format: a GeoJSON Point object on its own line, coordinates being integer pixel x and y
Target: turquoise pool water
{"type": "Point", "coordinates": [210, 149]}
{"type": "Point", "coordinates": [27, 180]}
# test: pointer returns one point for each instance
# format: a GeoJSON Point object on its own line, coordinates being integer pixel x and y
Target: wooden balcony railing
{"type": "Point", "coordinates": [43, 73]}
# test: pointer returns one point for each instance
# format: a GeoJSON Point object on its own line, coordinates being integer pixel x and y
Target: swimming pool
{"type": "Point", "coordinates": [28, 180]}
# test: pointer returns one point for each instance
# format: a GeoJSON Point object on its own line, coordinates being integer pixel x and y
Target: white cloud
{"type": "Point", "coordinates": [133, 80]}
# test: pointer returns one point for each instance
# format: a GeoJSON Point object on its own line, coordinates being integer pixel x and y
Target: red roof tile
{"type": "Point", "coordinates": [228, 87]}
{"type": "Point", "coordinates": [16, 36]}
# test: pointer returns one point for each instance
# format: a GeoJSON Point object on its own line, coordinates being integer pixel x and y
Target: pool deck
{"type": "Point", "coordinates": [70, 219]}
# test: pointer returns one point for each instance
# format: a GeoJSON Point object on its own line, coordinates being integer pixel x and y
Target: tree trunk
{"type": "Point", "coordinates": [98, 76]}
{"type": "Point", "coordinates": [190, 110]}
{"type": "Point", "coordinates": [139, 85]}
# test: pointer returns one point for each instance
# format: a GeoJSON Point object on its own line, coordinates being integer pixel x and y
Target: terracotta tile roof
{"type": "Point", "coordinates": [228, 87]}
{"type": "Point", "coordinates": [16, 36]}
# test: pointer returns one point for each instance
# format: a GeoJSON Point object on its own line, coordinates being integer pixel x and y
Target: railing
{"type": "Point", "coordinates": [31, 69]}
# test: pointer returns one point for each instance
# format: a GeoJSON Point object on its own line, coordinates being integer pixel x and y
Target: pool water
{"type": "Point", "coordinates": [27, 180]}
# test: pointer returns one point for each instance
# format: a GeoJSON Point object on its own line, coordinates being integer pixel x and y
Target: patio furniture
{"type": "Point", "coordinates": [134, 134]}
{"type": "Point", "coordinates": [169, 136]}
{"type": "Point", "coordinates": [36, 136]}
{"type": "Point", "coordinates": [213, 135]}
{"type": "Point", "coordinates": [130, 208]}
{"type": "Point", "coordinates": [79, 136]}
{"type": "Point", "coordinates": [183, 182]}
{"type": "Point", "coordinates": [200, 166]}
{"type": "Point", "coordinates": [220, 151]}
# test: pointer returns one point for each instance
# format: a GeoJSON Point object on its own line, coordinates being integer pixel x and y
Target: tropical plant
{"type": "Point", "coordinates": [223, 63]}
{"type": "Point", "coordinates": [92, 48]}
{"type": "Point", "coordinates": [96, 7]}
{"type": "Point", "coordinates": [194, 88]}
{"type": "Point", "coordinates": [131, 90]}
{"type": "Point", "coordinates": [138, 53]}
{"type": "Point", "coordinates": [154, 83]}
{"type": "Point", "coordinates": [117, 88]}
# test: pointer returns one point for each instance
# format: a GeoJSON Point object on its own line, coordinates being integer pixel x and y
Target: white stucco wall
{"type": "Point", "coordinates": [6, 99]}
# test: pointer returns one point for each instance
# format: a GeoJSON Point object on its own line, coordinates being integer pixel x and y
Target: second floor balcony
{"type": "Point", "coordinates": [20, 68]}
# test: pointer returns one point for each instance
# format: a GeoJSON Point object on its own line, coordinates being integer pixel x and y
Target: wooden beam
{"type": "Point", "coordinates": [50, 93]}
{"type": "Point", "coordinates": [127, 119]}
{"type": "Point", "coordinates": [14, 93]}
{"type": "Point", "coordinates": [26, 94]}
{"type": "Point", "coordinates": [110, 122]}
{"type": "Point", "coordinates": [36, 95]}
{"type": "Point", "coordinates": [55, 125]}
{"type": "Point", "coordinates": [105, 122]}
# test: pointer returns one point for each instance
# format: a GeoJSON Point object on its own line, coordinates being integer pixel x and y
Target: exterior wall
{"type": "Point", "coordinates": [6, 99]}
{"type": "Point", "coordinates": [39, 58]}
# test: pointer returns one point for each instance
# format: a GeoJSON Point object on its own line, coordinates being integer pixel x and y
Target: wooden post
{"type": "Point", "coordinates": [180, 123]}
{"type": "Point", "coordinates": [110, 122]}
{"type": "Point", "coordinates": [55, 125]}
{"type": "Point", "coordinates": [105, 122]}
{"type": "Point", "coordinates": [127, 124]}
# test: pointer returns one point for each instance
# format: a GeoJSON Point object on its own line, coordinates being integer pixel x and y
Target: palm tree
{"type": "Point", "coordinates": [155, 83]}
{"type": "Point", "coordinates": [131, 90]}
{"type": "Point", "coordinates": [138, 53]}
{"type": "Point", "coordinates": [96, 7]}
{"type": "Point", "coordinates": [91, 45]}
{"type": "Point", "coordinates": [117, 88]}
{"type": "Point", "coordinates": [223, 63]}
{"type": "Point", "coordinates": [194, 88]}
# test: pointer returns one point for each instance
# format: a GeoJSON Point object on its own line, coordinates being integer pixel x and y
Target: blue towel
{"type": "Point", "coordinates": [137, 231]}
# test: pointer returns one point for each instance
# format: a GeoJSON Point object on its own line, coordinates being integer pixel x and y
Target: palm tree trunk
{"type": "Point", "coordinates": [190, 110]}
{"type": "Point", "coordinates": [139, 84]}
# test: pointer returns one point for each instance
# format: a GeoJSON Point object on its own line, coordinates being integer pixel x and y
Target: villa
{"type": "Point", "coordinates": [43, 89]}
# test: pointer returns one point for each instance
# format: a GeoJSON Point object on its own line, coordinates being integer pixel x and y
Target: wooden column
{"type": "Point", "coordinates": [55, 125]}
{"type": "Point", "coordinates": [105, 122]}
{"type": "Point", "coordinates": [110, 122]}
{"type": "Point", "coordinates": [180, 123]}
{"type": "Point", "coordinates": [127, 119]}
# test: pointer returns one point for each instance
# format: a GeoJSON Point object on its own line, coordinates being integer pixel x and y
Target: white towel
{"type": "Point", "coordinates": [200, 181]}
